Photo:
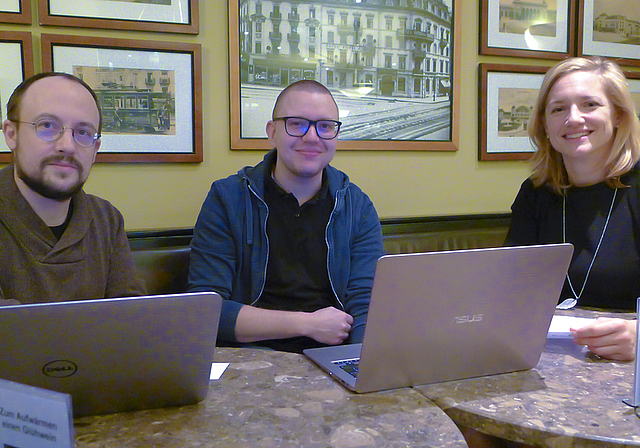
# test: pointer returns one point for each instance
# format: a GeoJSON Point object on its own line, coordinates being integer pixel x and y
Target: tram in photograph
{"type": "Point", "coordinates": [135, 111]}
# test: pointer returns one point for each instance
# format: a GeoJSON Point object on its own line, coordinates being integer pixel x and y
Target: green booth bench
{"type": "Point", "coordinates": [162, 256]}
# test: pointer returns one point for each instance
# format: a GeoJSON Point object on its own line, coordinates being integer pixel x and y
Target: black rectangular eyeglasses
{"type": "Point", "coordinates": [298, 127]}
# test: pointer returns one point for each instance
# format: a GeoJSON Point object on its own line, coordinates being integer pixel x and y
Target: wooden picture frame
{"type": "Point", "coordinates": [16, 53]}
{"type": "Point", "coordinates": [633, 81]}
{"type": "Point", "coordinates": [150, 93]}
{"type": "Point", "coordinates": [503, 133]}
{"type": "Point", "coordinates": [609, 28]}
{"type": "Point", "coordinates": [178, 16]}
{"type": "Point", "coordinates": [15, 11]}
{"type": "Point", "coordinates": [392, 100]}
{"type": "Point", "coordinates": [508, 30]}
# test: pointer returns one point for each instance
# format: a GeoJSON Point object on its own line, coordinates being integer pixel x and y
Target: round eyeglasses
{"type": "Point", "coordinates": [49, 130]}
{"type": "Point", "coordinates": [298, 127]}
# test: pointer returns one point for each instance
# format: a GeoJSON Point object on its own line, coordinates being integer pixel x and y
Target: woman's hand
{"type": "Point", "coordinates": [610, 338]}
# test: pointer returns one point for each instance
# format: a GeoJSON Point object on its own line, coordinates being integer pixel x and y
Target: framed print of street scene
{"type": "Point", "coordinates": [507, 96]}
{"type": "Point", "coordinates": [392, 67]}
{"type": "Point", "coordinates": [610, 28]}
{"type": "Point", "coordinates": [149, 92]}
{"type": "Point", "coordinates": [165, 16]}
{"type": "Point", "coordinates": [16, 54]}
{"type": "Point", "coordinates": [527, 28]}
{"type": "Point", "coordinates": [15, 11]}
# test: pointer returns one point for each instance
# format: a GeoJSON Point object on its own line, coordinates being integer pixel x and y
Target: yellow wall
{"type": "Point", "coordinates": [401, 184]}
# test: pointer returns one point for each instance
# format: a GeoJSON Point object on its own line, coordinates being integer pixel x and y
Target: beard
{"type": "Point", "coordinates": [47, 189]}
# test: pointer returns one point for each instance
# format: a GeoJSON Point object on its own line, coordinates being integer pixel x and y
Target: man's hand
{"type": "Point", "coordinates": [328, 325]}
{"type": "Point", "coordinates": [610, 338]}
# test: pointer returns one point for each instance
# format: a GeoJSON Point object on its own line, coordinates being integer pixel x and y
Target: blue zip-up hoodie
{"type": "Point", "coordinates": [230, 248]}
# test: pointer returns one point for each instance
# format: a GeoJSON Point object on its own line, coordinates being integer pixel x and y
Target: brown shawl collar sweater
{"type": "Point", "coordinates": [92, 259]}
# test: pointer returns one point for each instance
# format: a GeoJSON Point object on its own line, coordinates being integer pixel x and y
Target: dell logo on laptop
{"type": "Point", "coordinates": [59, 369]}
{"type": "Point", "coordinates": [467, 319]}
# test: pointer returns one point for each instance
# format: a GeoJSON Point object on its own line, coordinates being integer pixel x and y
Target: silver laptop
{"type": "Point", "coordinates": [114, 355]}
{"type": "Point", "coordinates": [443, 316]}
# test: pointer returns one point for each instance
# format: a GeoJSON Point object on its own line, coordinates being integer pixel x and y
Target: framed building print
{"type": "Point", "coordinates": [16, 54]}
{"type": "Point", "coordinates": [610, 28]}
{"type": "Point", "coordinates": [633, 81]}
{"type": "Point", "coordinates": [530, 29]}
{"type": "Point", "coordinates": [150, 93]}
{"type": "Point", "coordinates": [15, 11]}
{"type": "Point", "coordinates": [392, 71]}
{"type": "Point", "coordinates": [165, 16]}
{"type": "Point", "coordinates": [507, 96]}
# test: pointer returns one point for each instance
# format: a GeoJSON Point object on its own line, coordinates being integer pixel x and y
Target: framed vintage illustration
{"type": "Point", "coordinates": [507, 96]}
{"type": "Point", "coordinates": [610, 28]}
{"type": "Point", "coordinates": [16, 54]}
{"type": "Point", "coordinates": [150, 93]}
{"type": "Point", "coordinates": [393, 72]}
{"type": "Point", "coordinates": [15, 11]}
{"type": "Point", "coordinates": [531, 29]}
{"type": "Point", "coordinates": [633, 81]}
{"type": "Point", "coordinates": [165, 16]}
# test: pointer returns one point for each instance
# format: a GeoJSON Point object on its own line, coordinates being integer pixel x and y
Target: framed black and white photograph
{"type": "Point", "coordinates": [16, 54]}
{"type": "Point", "coordinates": [15, 11]}
{"type": "Point", "coordinates": [610, 28]}
{"type": "Point", "coordinates": [532, 28]}
{"type": "Point", "coordinates": [150, 94]}
{"type": "Point", "coordinates": [392, 71]}
{"type": "Point", "coordinates": [165, 16]}
{"type": "Point", "coordinates": [507, 96]}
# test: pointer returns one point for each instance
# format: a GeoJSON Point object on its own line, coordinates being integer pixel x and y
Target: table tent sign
{"type": "Point", "coordinates": [34, 418]}
{"type": "Point", "coordinates": [635, 401]}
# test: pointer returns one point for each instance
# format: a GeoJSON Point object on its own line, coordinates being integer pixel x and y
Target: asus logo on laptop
{"type": "Point", "coordinates": [467, 319]}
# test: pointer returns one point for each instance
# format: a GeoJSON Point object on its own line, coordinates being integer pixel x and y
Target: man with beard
{"type": "Point", "coordinates": [291, 243]}
{"type": "Point", "coordinates": [57, 242]}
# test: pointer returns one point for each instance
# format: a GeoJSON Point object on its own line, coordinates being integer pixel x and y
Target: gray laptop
{"type": "Point", "coordinates": [114, 355]}
{"type": "Point", "coordinates": [443, 316]}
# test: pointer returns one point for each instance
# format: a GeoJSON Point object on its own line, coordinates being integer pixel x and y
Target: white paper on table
{"type": "Point", "coordinates": [217, 369]}
{"type": "Point", "coordinates": [561, 325]}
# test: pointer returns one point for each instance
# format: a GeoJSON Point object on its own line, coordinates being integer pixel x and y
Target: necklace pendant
{"type": "Point", "coordinates": [567, 304]}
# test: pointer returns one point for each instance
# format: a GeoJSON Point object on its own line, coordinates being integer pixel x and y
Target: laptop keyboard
{"type": "Point", "coordinates": [349, 365]}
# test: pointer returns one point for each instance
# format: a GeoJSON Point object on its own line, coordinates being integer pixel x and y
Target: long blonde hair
{"type": "Point", "coordinates": [548, 166]}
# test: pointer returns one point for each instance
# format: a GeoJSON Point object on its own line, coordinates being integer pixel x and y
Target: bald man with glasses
{"type": "Point", "coordinates": [290, 243]}
{"type": "Point", "coordinates": [57, 242]}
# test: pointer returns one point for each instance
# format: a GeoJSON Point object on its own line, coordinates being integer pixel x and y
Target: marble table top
{"type": "Point", "coordinates": [274, 399]}
{"type": "Point", "coordinates": [572, 398]}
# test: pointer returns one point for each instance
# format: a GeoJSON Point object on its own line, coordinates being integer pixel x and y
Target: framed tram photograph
{"type": "Point", "coordinates": [166, 16]}
{"type": "Point", "coordinates": [150, 94]}
{"type": "Point", "coordinates": [16, 54]}
{"type": "Point", "coordinates": [15, 11]}
{"type": "Point", "coordinates": [394, 73]}
{"type": "Point", "coordinates": [507, 96]}
{"type": "Point", "coordinates": [532, 29]}
{"type": "Point", "coordinates": [610, 28]}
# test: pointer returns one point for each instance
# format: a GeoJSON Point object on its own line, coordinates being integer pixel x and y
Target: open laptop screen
{"type": "Point", "coordinates": [114, 355]}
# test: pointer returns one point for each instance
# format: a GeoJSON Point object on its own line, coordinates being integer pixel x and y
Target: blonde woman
{"type": "Point", "coordinates": [585, 190]}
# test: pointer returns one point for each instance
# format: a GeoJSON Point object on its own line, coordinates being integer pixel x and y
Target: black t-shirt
{"type": "Point", "coordinates": [297, 277]}
{"type": "Point", "coordinates": [614, 280]}
{"type": "Point", "coordinates": [59, 230]}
